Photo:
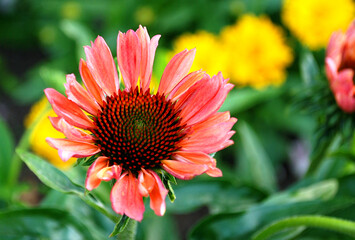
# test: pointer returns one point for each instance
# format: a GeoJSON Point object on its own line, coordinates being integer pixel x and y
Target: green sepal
{"type": "Point", "coordinates": [171, 192]}
{"type": "Point", "coordinates": [120, 226]}
{"type": "Point", "coordinates": [86, 161]}
{"type": "Point", "coordinates": [167, 179]}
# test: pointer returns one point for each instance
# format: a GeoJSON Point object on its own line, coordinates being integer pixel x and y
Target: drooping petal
{"type": "Point", "coordinates": [102, 67]}
{"type": "Point", "coordinates": [177, 69]}
{"type": "Point", "coordinates": [109, 173]}
{"type": "Point", "coordinates": [185, 84]}
{"type": "Point", "coordinates": [126, 197]}
{"type": "Point", "coordinates": [80, 96]}
{"type": "Point", "coordinates": [72, 133]}
{"type": "Point", "coordinates": [129, 57]}
{"type": "Point", "coordinates": [151, 184]}
{"type": "Point", "coordinates": [92, 180]}
{"type": "Point", "coordinates": [204, 98]}
{"type": "Point", "coordinates": [199, 158]}
{"type": "Point", "coordinates": [344, 90]}
{"type": "Point", "coordinates": [183, 170]}
{"type": "Point", "coordinates": [90, 83]}
{"type": "Point", "coordinates": [69, 148]}
{"type": "Point", "coordinates": [68, 110]}
{"type": "Point", "coordinates": [148, 48]}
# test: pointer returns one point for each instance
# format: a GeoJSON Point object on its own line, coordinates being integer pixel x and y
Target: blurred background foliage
{"type": "Point", "coordinates": [294, 148]}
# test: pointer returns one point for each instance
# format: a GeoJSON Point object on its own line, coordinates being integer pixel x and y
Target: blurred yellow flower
{"type": "Point", "coordinates": [257, 52]}
{"type": "Point", "coordinates": [42, 129]}
{"type": "Point", "coordinates": [71, 10]}
{"type": "Point", "coordinates": [209, 53]}
{"type": "Point", "coordinates": [313, 21]}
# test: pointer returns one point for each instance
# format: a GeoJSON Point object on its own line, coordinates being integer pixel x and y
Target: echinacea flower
{"type": "Point", "coordinates": [136, 133]}
{"type": "Point", "coordinates": [340, 68]}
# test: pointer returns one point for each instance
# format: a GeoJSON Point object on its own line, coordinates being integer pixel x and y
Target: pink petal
{"type": "Point", "coordinates": [185, 84]}
{"type": "Point", "coordinates": [176, 70]}
{"type": "Point", "coordinates": [68, 110]}
{"type": "Point", "coordinates": [157, 195]}
{"type": "Point", "coordinates": [92, 181]}
{"type": "Point", "coordinates": [69, 148]}
{"type": "Point", "coordinates": [90, 83]}
{"type": "Point", "coordinates": [72, 133]}
{"type": "Point", "coordinates": [335, 47]}
{"type": "Point", "coordinates": [129, 57]}
{"type": "Point", "coordinates": [183, 170]}
{"type": "Point", "coordinates": [214, 172]}
{"type": "Point", "coordinates": [80, 96]}
{"type": "Point", "coordinates": [211, 135]}
{"type": "Point", "coordinates": [204, 98]}
{"type": "Point", "coordinates": [152, 185]}
{"type": "Point", "coordinates": [126, 197]}
{"type": "Point", "coordinates": [344, 89]}
{"type": "Point", "coordinates": [102, 67]}
{"type": "Point", "coordinates": [148, 48]}
{"type": "Point", "coordinates": [109, 173]}
{"type": "Point", "coordinates": [199, 158]}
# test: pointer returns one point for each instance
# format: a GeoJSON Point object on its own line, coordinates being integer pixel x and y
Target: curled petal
{"type": "Point", "coordinates": [68, 110]}
{"type": "Point", "coordinates": [80, 96]}
{"type": "Point", "coordinates": [152, 184]}
{"type": "Point", "coordinates": [183, 170]}
{"type": "Point", "coordinates": [69, 148]}
{"type": "Point", "coordinates": [69, 131]}
{"type": "Point", "coordinates": [108, 173]}
{"type": "Point", "coordinates": [90, 83]}
{"type": "Point", "coordinates": [102, 67]}
{"type": "Point", "coordinates": [204, 98]}
{"type": "Point", "coordinates": [92, 180]}
{"type": "Point", "coordinates": [177, 69]}
{"type": "Point", "coordinates": [126, 197]}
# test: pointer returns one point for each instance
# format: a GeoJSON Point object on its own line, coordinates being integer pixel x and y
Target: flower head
{"type": "Point", "coordinates": [313, 21]}
{"type": "Point", "coordinates": [340, 68]}
{"type": "Point", "coordinates": [135, 133]}
{"type": "Point", "coordinates": [257, 54]}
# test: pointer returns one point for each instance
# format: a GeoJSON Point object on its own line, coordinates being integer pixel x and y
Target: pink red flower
{"type": "Point", "coordinates": [340, 68]}
{"type": "Point", "coordinates": [133, 132]}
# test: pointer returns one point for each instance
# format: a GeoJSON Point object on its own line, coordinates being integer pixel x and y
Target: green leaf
{"type": "Point", "coordinates": [309, 68]}
{"type": "Point", "coordinates": [57, 180]}
{"type": "Point", "coordinates": [219, 195]}
{"type": "Point", "coordinates": [120, 226]}
{"type": "Point", "coordinates": [255, 166]}
{"type": "Point", "coordinates": [309, 199]}
{"type": "Point", "coordinates": [48, 174]}
{"type": "Point", "coordinates": [243, 99]}
{"type": "Point", "coordinates": [6, 151]}
{"type": "Point", "coordinates": [41, 223]}
{"type": "Point", "coordinates": [78, 32]}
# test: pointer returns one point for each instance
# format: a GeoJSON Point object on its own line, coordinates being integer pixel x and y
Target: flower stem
{"type": "Point", "coordinates": [330, 223]}
{"type": "Point", "coordinates": [129, 232]}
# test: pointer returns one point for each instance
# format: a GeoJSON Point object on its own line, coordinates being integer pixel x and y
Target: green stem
{"type": "Point", "coordinates": [16, 161]}
{"type": "Point", "coordinates": [129, 232]}
{"type": "Point", "coordinates": [330, 223]}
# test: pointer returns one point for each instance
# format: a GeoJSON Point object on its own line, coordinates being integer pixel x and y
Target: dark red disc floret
{"type": "Point", "coordinates": [138, 130]}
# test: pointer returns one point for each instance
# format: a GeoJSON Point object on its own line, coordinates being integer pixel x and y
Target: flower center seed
{"type": "Point", "coordinates": [138, 130]}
